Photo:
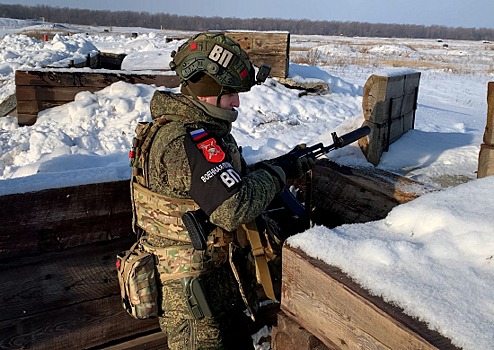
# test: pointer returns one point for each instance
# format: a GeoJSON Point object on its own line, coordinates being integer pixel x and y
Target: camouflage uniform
{"type": "Point", "coordinates": [170, 175]}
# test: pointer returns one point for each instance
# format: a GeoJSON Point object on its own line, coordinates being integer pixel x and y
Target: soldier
{"type": "Point", "coordinates": [192, 161]}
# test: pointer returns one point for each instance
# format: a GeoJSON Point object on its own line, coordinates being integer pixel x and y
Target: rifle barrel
{"type": "Point", "coordinates": [354, 135]}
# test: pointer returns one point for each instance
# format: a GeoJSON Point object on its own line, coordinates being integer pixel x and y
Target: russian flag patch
{"type": "Point", "coordinates": [198, 134]}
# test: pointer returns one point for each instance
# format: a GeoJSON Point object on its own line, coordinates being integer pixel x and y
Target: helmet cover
{"type": "Point", "coordinates": [218, 56]}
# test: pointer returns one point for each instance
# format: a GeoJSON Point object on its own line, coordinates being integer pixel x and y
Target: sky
{"type": "Point", "coordinates": [432, 256]}
{"type": "Point", "coordinates": [453, 13]}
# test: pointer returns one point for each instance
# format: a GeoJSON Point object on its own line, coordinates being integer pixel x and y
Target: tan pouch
{"type": "Point", "coordinates": [137, 279]}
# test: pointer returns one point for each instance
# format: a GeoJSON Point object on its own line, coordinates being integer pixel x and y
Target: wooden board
{"type": "Point", "coordinates": [84, 78]}
{"type": "Point", "coordinates": [486, 154]}
{"type": "Point", "coordinates": [8, 105]}
{"type": "Point", "coordinates": [56, 219]}
{"type": "Point", "coordinates": [66, 300]}
{"type": "Point", "coordinates": [349, 195]}
{"type": "Point", "coordinates": [486, 161]}
{"type": "Point", "coordinates": [489, 127]}
{"type": "Point", "coordinates": [324, 301]}
{"type": "Point", "coordinates": [272, 48]}
{"type": "Point", "coordinates": [40, 89]}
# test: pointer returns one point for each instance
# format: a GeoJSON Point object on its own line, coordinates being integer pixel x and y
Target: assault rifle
{"type": "Point", "coordinates": [314, 152]}
{"type": "Point", "coordinates": [198, 224]}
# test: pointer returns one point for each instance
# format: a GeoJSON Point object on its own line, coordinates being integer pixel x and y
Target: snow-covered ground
{"type": "Point", "coordinates": [432, 257]}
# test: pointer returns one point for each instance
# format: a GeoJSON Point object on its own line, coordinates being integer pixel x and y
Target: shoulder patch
{"type": "Point", "coordinates": [211, 150]}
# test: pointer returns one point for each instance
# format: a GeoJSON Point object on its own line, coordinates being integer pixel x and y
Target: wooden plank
{"type": "Point", "coordinates": [34, 107]}
{"type": "Point", "coordinates": [348, 195]}
{"type": "Point", "coordinates": [272, 48]}
{"type": "Point", "coordinates": [8, 105]}
{"type": "Point", "coordinates": [26, 119]}
{"type": "Point", "coordinates": [327, 303]}
{"type": "Point", "coordinates": [288, 334]}
{"type": "Point", "coordinates": [59, 218]}
{"type": "Point", "coordinates": [489, 127]}
{"type": "Point", "coordinates": [82, 326]}
{"type": "Point", "coordinates": [388, 105]}
{"type": "Point", "coordinates": [43, 282]}
{"type": "Point", "coordinates": [84, 78]}
{"type": "Point", "coordinates": [53, 94]}
{"type": "Point", "coordinates": [486, 161]}
{"type": "Point", "coordinates": [65, 300]}
{"type": "Point", "coordinates": [154, 341]}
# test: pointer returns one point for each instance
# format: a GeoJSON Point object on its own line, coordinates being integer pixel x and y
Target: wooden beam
{"type": "Point", "coordinates": [326, 302]}
{"type": "Point", "coordinates": [38, 95]}
{"type": "Point", "coordinates": [66, 300]}
{"type": "Point", "coordinates": [344, 194]}
{"type": "Point", "coordinates": [486, 155]}
{"type": "Point", "coordinates": [84, 78]}
{"type": "Point", "coordinates": [59, 218]}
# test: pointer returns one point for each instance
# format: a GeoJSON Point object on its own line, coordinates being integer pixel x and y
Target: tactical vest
{"type": "Point", "coordinates": [160, 215]}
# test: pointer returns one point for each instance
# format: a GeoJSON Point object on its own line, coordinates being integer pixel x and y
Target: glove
{"type": "Point", "coordinates": [295, 167]}
{"type": "Point", "coordinates": [276, 173]}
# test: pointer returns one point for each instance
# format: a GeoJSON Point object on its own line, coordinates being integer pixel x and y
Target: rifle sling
{"type": "Point", "coordinates": [262, 270]}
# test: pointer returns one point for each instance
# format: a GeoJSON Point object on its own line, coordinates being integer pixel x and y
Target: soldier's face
{"type": "Point", "coordinates": [227, 101]}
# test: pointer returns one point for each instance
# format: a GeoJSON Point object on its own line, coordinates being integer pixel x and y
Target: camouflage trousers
{"type": "Point", "coordinates": [227, 328]}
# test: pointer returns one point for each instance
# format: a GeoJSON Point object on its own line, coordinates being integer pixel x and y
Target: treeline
{"type": "Point", "coordinates": [195, 23]}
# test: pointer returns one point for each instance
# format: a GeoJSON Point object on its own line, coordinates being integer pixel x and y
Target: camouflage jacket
{"type": "Point", "coordinates": [170, 172]}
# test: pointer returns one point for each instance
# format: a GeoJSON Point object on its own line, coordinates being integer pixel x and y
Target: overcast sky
{"type": "Point", "coordinates": [451, 13]}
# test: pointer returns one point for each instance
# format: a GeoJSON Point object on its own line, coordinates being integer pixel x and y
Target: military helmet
{"type": "Point", "coordinates": [218, 56]}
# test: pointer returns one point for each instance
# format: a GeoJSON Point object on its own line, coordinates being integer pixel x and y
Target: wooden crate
{"type": "Point", "coordinates": [330, 306]}
{"type": "Point", "coordinates": [39, 89]}
{"type": "Point", "coordinates": [388, 105]}
{"type": "Point", "coordinates": [57, 254]}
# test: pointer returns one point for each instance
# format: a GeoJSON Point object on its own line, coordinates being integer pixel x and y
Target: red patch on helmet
{"type": "Point", "coordinates": [244, 73]}
{"type": "Point", "coordinates": [212, 151]}
{"type": "Point", "coordinates": [193, 46]}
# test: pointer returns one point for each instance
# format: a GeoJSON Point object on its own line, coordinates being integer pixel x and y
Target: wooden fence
{"type": "Point", "coordinates": [388, 105]}
{"type": "Point", "coordinates": [323, 309]}
{"type": "Point", "coordinates": [486, 155]}
{"type": "Point", "coordinates": [59, 285]}
{"type": "Point", "coordinates": [57, 258]}
{"type": "Point", "coordinates": [40, 89]}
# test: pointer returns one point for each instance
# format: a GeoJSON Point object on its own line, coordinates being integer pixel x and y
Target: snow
{"type": "Point", "coordinates": [432, 256]}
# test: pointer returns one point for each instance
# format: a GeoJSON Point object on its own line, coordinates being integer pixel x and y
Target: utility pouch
{"type": "Point", "coordinates": [137, 279]}
{"type": "Point", "coordinates": [196, 298]}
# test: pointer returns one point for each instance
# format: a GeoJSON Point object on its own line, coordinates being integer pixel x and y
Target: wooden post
{"type": "Point", "coordinates": [486, 155]}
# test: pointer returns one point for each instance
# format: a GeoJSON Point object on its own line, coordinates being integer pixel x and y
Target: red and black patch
{"type": "Point", "coordinates": [212, 151]}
